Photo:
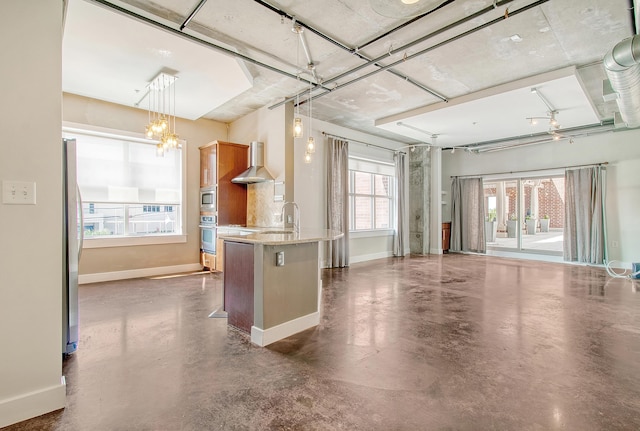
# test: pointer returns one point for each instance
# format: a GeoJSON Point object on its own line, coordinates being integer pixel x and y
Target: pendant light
{"type": "Point", "coordinates": [311, 144]}
{"type": "Point", "coordinates": [297, 121]}
{"type": "Point", "coordinates": [162, 115]}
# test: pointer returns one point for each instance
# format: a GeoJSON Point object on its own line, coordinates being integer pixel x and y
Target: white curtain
{"type": "Point", "coordinates": [467, 215]}
{"type": "Point", "coordinates": [398, 239]}
{"type": "Point", "coordinates": [584, 231]}
{"type": "Point", "coordinates": [338, 201]}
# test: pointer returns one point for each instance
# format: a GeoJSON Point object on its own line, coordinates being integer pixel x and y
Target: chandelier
{"type": "Point", "coordinates": [162, 113]}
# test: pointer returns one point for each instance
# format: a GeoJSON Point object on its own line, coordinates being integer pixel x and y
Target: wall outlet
{"type": "Point", "coordinates": [289, 219]}
{"type": "Point", "coordinates": [18, 192]}
{"type": "Point", "coordinates": [280, 258]}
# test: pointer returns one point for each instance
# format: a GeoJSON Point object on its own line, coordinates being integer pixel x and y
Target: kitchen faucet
{"type": "Point", "coordinates": [296, 216]}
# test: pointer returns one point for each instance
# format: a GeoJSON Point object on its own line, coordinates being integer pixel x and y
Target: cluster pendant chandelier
{"type": "Point", "coordinates": [162, 115]}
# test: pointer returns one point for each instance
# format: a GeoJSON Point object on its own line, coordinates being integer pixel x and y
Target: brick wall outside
{"type": "Point", "coordinates": [550, 202]}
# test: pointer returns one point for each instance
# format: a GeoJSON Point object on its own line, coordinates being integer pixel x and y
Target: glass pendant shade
{"type": "Point", "coordinates": [297, 127]}
{"type": "Point", "coordinates": [307, 157]}
{"type": "Point", "coordinates": [311, 145]}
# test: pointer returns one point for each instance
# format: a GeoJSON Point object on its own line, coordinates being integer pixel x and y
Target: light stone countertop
{"type": "Point", "coordinates": [280, 236]}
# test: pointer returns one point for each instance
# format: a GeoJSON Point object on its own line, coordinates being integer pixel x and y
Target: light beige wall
{"type": "Point", "coordinates": [268, 126]}
{"type": "Point", "coordinates": [620, 149]}
{"type": "Point", "coordinates": [31, 235]}
{"type": "Point", "coordinates": [77, 109]}
{"type": "Point", "coordinates": [284, 157]}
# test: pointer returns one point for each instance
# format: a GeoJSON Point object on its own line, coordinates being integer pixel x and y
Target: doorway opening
{"type": "Point", "coordinates": [525, 214]}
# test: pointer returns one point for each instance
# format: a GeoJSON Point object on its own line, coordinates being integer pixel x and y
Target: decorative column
{"type": "Point", "coordinates": [419, 199]}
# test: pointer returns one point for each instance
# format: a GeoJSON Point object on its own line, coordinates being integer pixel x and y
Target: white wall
{"type": "Point", "coordinates": [620, 149]}
{"type": "Point", "coordinates": [31, 235]}
{"type": "Point", "coordinates": [121, 262]}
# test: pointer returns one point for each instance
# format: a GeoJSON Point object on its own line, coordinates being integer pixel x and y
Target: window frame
{"type": "Point", "coordinates": [68, 131]}
{"type": "Point", "coordinates": [371, 232]}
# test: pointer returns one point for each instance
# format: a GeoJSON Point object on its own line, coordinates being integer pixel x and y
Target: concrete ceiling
{"type": "Point", "coordinates": [464, 71]}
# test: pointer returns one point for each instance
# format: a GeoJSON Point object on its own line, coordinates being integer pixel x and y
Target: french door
{"type": "Point", "coordinates": [525, 214]}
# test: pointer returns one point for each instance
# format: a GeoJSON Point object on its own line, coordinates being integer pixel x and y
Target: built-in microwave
{"type": "Point", "coordinates": [208, 199]}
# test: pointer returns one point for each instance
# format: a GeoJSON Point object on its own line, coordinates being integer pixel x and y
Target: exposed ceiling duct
{"type": "Point", "coordinates": [256, 173]}
{"type": "Point", "coordinates": [622, 65]}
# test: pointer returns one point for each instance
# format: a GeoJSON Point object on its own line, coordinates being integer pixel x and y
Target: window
{"type": "Point", "coordinates": [371, 195]}
{"type": "Point", "coordinates": [127, 191]}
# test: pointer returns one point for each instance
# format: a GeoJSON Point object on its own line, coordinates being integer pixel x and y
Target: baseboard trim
{"type": "Point", "coordinates": [264, 337]}
{"type": "Point", "coordinates": [373, 256]}
{"type": "Point", "coordinates": [137, 273]}
{"type": "Point", "coordinates": [33, 404]}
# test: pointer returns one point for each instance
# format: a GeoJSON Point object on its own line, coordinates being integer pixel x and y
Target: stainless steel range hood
{"type": "Point", "coordinates": [256, 173]}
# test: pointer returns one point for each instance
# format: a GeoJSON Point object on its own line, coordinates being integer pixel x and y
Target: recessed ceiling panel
{"type": "Point", "coordinates": [112, 57]}
{"type": "Point", "coordinates": [501, 112]}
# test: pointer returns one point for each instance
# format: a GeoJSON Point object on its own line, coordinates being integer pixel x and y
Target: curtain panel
{"type": "Point", "coordinates": [338, 201]}
{"type": "Point", "coordinates": [467, 215]}
{"type": "Point", "coordinates": [584, 229]}
{"type": "Point", "coordinates": [398, 238]}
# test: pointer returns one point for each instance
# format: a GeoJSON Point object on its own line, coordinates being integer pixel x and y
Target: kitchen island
{"type": "Point", "coordinates": [272, 285]}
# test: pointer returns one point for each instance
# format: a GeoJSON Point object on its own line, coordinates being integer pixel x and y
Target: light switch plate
{"type": "Point", "coordinates": [280, 258]}
{"type": "Point", "coordinates": [18, 192]}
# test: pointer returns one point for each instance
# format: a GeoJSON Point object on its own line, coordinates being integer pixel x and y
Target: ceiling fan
{"type": "Point", "coordinates": [403, 8]}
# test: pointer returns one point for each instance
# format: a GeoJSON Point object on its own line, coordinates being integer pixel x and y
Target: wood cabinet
{"type": "Point", "coordinates": [220, 162]}
{"type": "Point", "coordinates": [446, 236]}
{"type": "Point", "coordinates": [238, 284]}
{"type": "Point", "coordinates": [208, 166]}
{"type": "Point", "coordinates": [208, 260]}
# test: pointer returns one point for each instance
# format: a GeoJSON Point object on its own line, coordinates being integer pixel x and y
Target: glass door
{"type": "Point", "coordinates": [525, 214]}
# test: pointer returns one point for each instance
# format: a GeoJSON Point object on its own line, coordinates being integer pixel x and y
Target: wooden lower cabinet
{"type": "Point", "coordinates": [446, 236]}
{"type": "Point", "coordinates": [208, 260]}
{"type": "Point", "coordinates": [219, 254]}
{"type": "Point", "coordinates": [238, 284]}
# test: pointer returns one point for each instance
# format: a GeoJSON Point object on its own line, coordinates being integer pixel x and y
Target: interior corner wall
{"type": "Point", "coordinates": [31, 300]}
{"type": "Point", "coordinates": [117, 262]}
{"type": "Point", "coordinates": [619, 148]}
{"type": "Point", "coordinates": [311, 188]}
{"type": "Point", "coordinates": [274, 128]}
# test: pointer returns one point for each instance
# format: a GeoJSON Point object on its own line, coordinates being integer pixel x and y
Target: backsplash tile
{"type": "Point", "coordinates": [261, 208]}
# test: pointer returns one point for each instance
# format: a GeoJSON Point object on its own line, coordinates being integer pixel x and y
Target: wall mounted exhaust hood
{"type": "Point", "coordinates": [256, 173]}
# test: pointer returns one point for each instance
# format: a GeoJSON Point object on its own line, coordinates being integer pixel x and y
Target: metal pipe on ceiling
{"type": "Point", "coordinates": [192, 14]}
{"type": "Point", "coordinates": [622, 65]}
{"type": "Point", "coordinates": [297, 28]}
{"type": "Point", "coordinates": [355, 51]}
{"type": "Point", "coordinates": [541, 138]}
{"type": "Point", "coordinates": [408, 45]}
{"type": "Point", "coordinates": [401, 26]}
{"type": "Point", "coordinates": [331, 135]}
{"type": "Point", "coordinates": [419, 53]}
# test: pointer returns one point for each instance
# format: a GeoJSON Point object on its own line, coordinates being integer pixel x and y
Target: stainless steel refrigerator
{"type": "Point", "coordinates": [72, 238]}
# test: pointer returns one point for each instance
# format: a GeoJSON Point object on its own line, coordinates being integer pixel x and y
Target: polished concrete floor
{"type": "Point", "coordinates": [454, 342]}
